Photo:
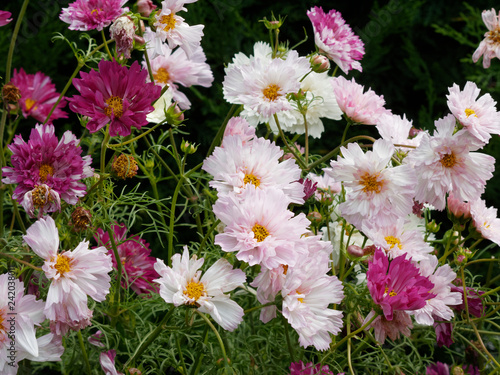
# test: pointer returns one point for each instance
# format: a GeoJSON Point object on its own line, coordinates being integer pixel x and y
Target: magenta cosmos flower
{"type": "Point", "coordinates": [134, 255]}
{"type": "Point", "coordinates": [4, 17]}
{"type": "Point", "coordinates": [114, 95]}
{"type": "Point", "coordinates": [84, 15]}
{"type": "Point", "coordinates": [38, 96]}
{"type": "Point", "coordinates": [46, 160]}
{"type": "Point", "coordinates": [397, 285]}
{"type": "Point", "coordinates": [336, 39]}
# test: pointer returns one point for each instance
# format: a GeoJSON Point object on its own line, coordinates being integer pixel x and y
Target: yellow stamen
{"type": "Point", "coordinates": [271, 92]}
{"type": "Point", "coordinates": [40, 196]}
{"type": "Point", "coordinates": [260, 233]}
{"type": "Point", "coordinates": [251, 179]}
{"type": "Point", "coordinates": [393, 241]}
{"type": "Point", "coordinates": [96, 11]}
{"type": "Point", "coordinates": [469, 112]}
{"type": "Point", "coordinates": [448, 160]}
{"type": "Point", "coordinates": [62, 265]}
{"type": "Point", "coordinates": [194, 290]}
{"type": "Point", "coordinates": [45, 170]}
{"type": "Point", "coordinates": [168, 21]}
{"type": "Point", "coordinates": [392, 293]}
{"type": "Point", "coordinates": [161, 75]}
{"type": "Point", "coordinates": [285, 269]}
{"type": "Point", "coordinates": [115, 107]}
{"type": "Point", "coordinates": [371, 183]}
{"type": "Point", "coordinates": [29, 103]}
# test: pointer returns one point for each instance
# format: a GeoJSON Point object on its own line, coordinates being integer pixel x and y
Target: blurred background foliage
{"type": "Point", "coordinates": [415, 51]}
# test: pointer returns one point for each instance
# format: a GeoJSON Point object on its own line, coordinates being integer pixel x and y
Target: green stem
{"type": "Point", "coordinates": [27, 264]}
{"type": "Point", "coordinates": [219, 339]}
{"type": "Point", "coordinates": [133, 139]}
{"type": "Point", "coordinates": [209, 232]}
{"type": "Point", "coordinates": [288, 341]}
{"type": "Point", "coordinates": [10, 54]}
{"type": "Point", "coordinates": [197, 363]}
{"type": "Point", "coordinates": [150, 338]}
{"type": "Point", "coordinates": [259, 307]}
{"type": "Point", "coordinates": [306, 133]}
{"type": "Point", "coordinates": [220, 132]}
{"type": "Point", "coordinates": [84, 353]}
{"type": "Point", "coordinates": [348, 324]}
{"type": "Point", "coordinates": [118, 267]}
{"type": "Point", "coordinates": [179, 349]}
{"type": "Point", "coordinates": [348, 125]}
{"type": "Point", "coordinates": [172, 222]}
{"type": "Point", "coordinates": [106, 45]}
{"type": "Point", "coordinates": [292, 150]}
{"type": "Point", "coordinates": [103, 159]}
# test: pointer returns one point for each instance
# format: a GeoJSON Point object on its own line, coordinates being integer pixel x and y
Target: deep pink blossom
{"type": "Point", "coordinates": [443, 333]}
{"type": "Point", "coordinates": [301, 368]}
{"type": "Point", "coordinates": [46, 160]}
{"type": "Point", "coordinates": [474, 301]}
{"type": "Point", "coordinates": [84, 15]}
{"type": "Point", "coordinates": [438, 368]}
{"type": "Point", "coordinates": [114, 94]}
{"type": "Point", "coordinates": [336, 39]}
{"type": "Point", "coordinates": [38, 96]}
{"type": "Point", "coordinates": [4, 17]}
{"type": "Point", "coordinates": [397, 285]}
{"type": "Point", "coordinates": [135, 257]}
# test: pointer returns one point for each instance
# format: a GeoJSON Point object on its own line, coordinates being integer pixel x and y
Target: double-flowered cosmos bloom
{"type": "Point", "coordinates": [336, 39]}
{"type": "Point", "coordinates": [183, 284]}
{"type": "Point", "coordinates": [47, 170]}
{"type": "Point", "coordinates": [116, 95]}
{"type": "Point", "coordinates": [74, 276]}
{"type": "Point", "coordinates": [20, 314]}
{"type": "Point", "coordinates": [489, 46]}
{"type": "Point", "coordinates": [84, 15]}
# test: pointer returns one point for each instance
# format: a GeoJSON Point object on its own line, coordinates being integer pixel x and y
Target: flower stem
{"type": "Point", "coordinates": [106, 45]}
{"type": "Point", "coordinates": [84, 353]}
{"type": "Point", "coordinates": [282, 135]}
{"type": "Point", "coordinates": [27, 264]}
{"type": "Point", "coordinates": [133, 139]}
{"type": "Point", "coordinates": [288, 341]}
{"type": "Point", "coordinates": [103, 159]}
{"type": "Point", "coordinates": [118, 268]}
{"type": "Point", "coordinates": [172, 221]}
{"type": "Point", "coordinates": [306, 133]}
{"type": "Point", "coordinates": [179, 349]}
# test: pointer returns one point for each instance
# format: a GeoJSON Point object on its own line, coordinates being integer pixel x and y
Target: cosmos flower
{"type": "Point", "coordinates": [183, 284]}
{"type": "Point", "coordinates": [361, 107]}
{"type": "Point", "coordinates": [85, 15]}
{"type": "Point", "coordinates": [20, 314]}
{"type": "Point", "coordinates": [238, 165]}
{"type": "Point", "coordinates": [115, 95]}
{"type": "Point", "coordinates": [4, 17]}
{"type": "Point", "coordinates": [107, 361]}
{"type": "Point", "coordinates": [488, 48]}
{"type": "Point", "coordinates": [478, 116]}
{"type": "Point", "coordinates": [397, 129]}
{"type": "Point", "coordinates": [485, 220]}
{"type": "Point", "coordinates": [240, 127]}
{"type": "Point", "coordinates": [446, 164]}
{"type": "Point", "coordinates": [336, 39]}
{"type": "Point", "coordinates": [260, 228]}
{"type": "Point", "coordinates": [383, 327]}
{"type": "Point", "coordinates": [47, 168]}
{"type": "Point", "coordinates": [123, 32]}
{"type": "Point", "coordinates": [135, 257]}
{"type": "Point", "coordinates": [38, 96]}
{"type": "Point", "coordinates": [397, 285]}
{"type": "Point", "coordinates": [75, 275]}
{"type": "Point", "coordinates": [301, 368]}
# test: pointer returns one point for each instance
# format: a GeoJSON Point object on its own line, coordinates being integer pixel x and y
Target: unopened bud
{"type": "Point", "coordinates": [220, 362]}
{"type": "Point", "coordinates": [320, 63]}
{"type": "Point", "coordinates": [314, 217]}
{"type": "Point", "coordinates": [433, 227]}
{"type": "Point", "coordinates": [274, 23]}
{"type": "Point", "coordinates": [355, 251]}
{"type": "Point", "coordinates": [134, 371]}
{"type": "Point", "coordinates": [145, 7]}
{"type": "Point", "coordinates": [457, 370]}
{"type": "Point", "coordinates": [124, 166]}
{"type": "Point", "coordinates": [188, 147]}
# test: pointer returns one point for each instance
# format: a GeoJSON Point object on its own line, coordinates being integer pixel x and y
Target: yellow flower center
{"type": "Point", "coordinates": [393, 241]}
{"type": "Point", "coordinates": [40, 197]}
{"type": "Point", "coordinates": [371, 183]}
{"type": "Point", "coordinates": [448, 160]}
{"type": "Point", "coordinates": [29, 103]}
{"type": "Point", "coordinates": [392, 293]}
{"type": "Point", "coordinates": [194, 290]}
{"type": "Point", "coordinates": [469, 112]}
{"type": "Point", "coordinates": [251, 179]}
{"type": "Point", "coordinates": [115, 107]}
{"type": "Point", "coordinates": [271, 92]}
{"type": "Point", "coordinates": [161, 75]}
{"type": "Point", "coordinates": [45, 170]}
{"type": "Point", "coordinates": [96, 11]}
{"type": "Point", "coordinates": [494, 36]}
{"type": "Point", "coordinates": [260, 233]}
{"type": "Point", "coordinates": [285, 269]}
{"type": "Point", "coordinates": [62, 264]}
{"type": "Point", "coordinates": [168, 21]}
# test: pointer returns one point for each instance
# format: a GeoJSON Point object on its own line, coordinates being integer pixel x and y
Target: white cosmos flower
{"type": "Point", "coordinates": [183, 284]}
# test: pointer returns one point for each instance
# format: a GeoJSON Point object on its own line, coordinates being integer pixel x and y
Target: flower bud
{"type": "Point", "coordinates": [320, 63]}
{"type": "Point", "coordinates": [145, 7]}
{"type": "Point", "coordinates": [355, 251]}
{"type": "Point", "coordinates": [433, 227]}
{"type": "Point", "coordinates": [188, 147]}
{"type": "Point", "coordinates": [314, 217]}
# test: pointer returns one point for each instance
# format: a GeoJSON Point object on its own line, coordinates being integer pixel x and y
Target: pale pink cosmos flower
{"type": "Point", "coordinates": [183, 284]}
{"type": "Point", "coordinates": [397, 129]}
{"type": "Point", "coordinates": [173, 29]}
{"type": "Point", "coordinates": [485, 220]}
{"type": "Point", "coordinates": [85, 15]}
{"type": "Point", "coordinates": [400, 237]}
{"type": "Point", "coordinates": [107, 361]}
{"type": "Point", "coordinates": [375, 191]}
{"type": "Point", "coordinates": [240, 127]}
{"type": "Point", "coordinates": [20, 314]}
{"type": "Point", "coordinates": [362, 108]}
{"type": "Point", "coordinates": [260, 228]}
{"type": "Point", "coordinates": [445, 164]}
{"type": "Point", "coordinates": [336, 39]}
{"type": "Point", "coordinates": [438, 307]}
{"type": "Point", "coordinates": [238, 165]}
{"type": "Point", "coordinates": [488, 48]}
{"type": "Point", "coordinates": [75, 275]}
{"type": "Point", "coordinates": [457, 207]}
{"type": "Point", "coordinates": [4, 17]}
{"type": "Point", "coordinates": [382, 328]}
{"type": "Point", "coordinates": [478, 116]}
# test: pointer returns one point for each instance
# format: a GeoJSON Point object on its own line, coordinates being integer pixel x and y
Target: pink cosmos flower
{"type": "Point", "coordinates": [485, 220]}
{"type": "Point", "coordinates": [446, 164]}
{"type": "Point", "coordinates": [84, 15]}
{"type": "Point", "coordinates": [458, 208]}
{"type": "Point", "coordinates": [397, 285]}
{"type": "Point", "coordinates": [20, 314]}
{"type": "Point", "coordinates": [336, 39]}
{"type": "Point", "coordinates": [4, 17]}
{"type": "Point", "coordinates": [444, 332]}
{"type": "Point", "coordinates": [240, 127]}
{"type": "Point", "coordinates": [114, 94]}
{"type": "Point", "coordinates": [182, 284]}
{"type": "Point", "coordinates": [107, 361]}
{"type": "Point", "coordinates": [46, 169]}
{"type": "Point", "coordinates": [478, 116]}
{"type": "Point", "coordinates": [260, 228]}
{"type": "Point", "coordinates": [74, 276]}
{"type": "Point", "coordinates": [474, 301]}
{"type": "Point", "coordinates": [383, 327]}
{"type": "Point", "coordinates": [123, 32]}
{"type": "Point", "coordinates": [326, 186]}
{"type": "Point", "coordinates": [238, 166]}
{"type": "Point", "coordinates": [362, 108]}
{"type": "Point", "coordinates": [398, 130]}
{"type": "Point", "coordinates": [438, 368]}
{"type": "Point", "coordinates": [375, 191]}
{"type": "Point", "coordinates": [135, 257]}
{"type": "Point", "coordinates": [38, 96]}
{"type": "Point", "coordinates": [488, 48]}
{"type": "Point", "coordinates": [300, 368]}
{"type": "Point", "coordinates": [173, 29]}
